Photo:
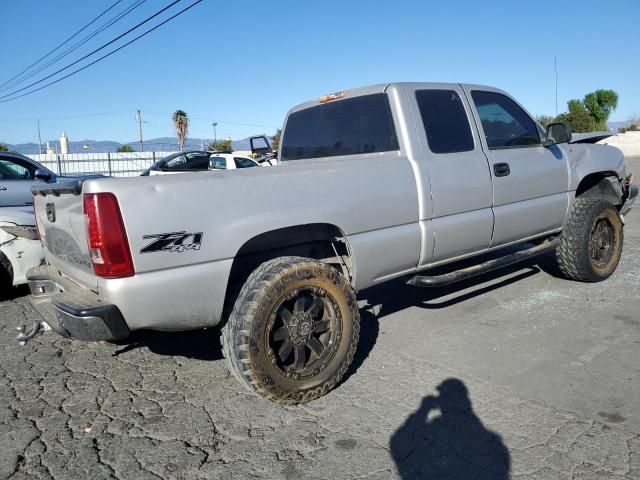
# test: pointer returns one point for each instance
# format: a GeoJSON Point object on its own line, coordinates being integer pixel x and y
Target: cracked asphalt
{"type": "Point", "coordinates": [516, 374]}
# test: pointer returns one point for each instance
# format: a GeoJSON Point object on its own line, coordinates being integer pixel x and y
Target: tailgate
{"type": "Point", "coordinates": [61, 224]}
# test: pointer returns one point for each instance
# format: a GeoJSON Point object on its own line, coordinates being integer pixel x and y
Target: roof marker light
{"type": "Point", "coordinates": [330, 97]}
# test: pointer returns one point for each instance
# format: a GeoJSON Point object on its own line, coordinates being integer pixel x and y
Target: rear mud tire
{"type": "Point", "coordinates": [249, 342]}
{"type": "Point", "coordinates": [591, 242]}
{"type": "Point", "coordinates": [6, 274]}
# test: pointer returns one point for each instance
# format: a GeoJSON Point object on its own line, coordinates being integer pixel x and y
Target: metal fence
{"type": "Point", "coordinates": [112, 164]}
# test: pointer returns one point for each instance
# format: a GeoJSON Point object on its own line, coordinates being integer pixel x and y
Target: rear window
{"type": "Point", "coordinates": [345, 127]}
{"type": "Point", "coordinates": [445, 121]}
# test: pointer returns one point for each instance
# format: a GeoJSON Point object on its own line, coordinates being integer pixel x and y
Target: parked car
{"type": "Point", "coordinates": [20, 247]}
{"type": "Point", "coordinates": [197, 161]}
{"type": "Point", "coordinates": [372, 184]}
{"type": "Point", "coordinates": [19, 173]}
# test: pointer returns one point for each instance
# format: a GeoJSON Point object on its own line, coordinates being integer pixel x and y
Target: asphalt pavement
{"type": "Point", "coordinates": [515, 374]}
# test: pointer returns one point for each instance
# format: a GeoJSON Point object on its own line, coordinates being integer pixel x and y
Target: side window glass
{"type": "Point", "coordinates": [10, 170]}
{"type": "Point", "coordinates": [176, 163]}
{"type": "Point", "coordinates": [188, 162]}
{"type": "Point", "coordinates": [243, 162]}
{"type": "Point", "coordinates": [445, 121]}
{"type": "Point", "coordinates": [197, 161]}
{"type": "Point", "coordinates": [505, 124]}
{"type": "Point", "coordinates": [217, 163]}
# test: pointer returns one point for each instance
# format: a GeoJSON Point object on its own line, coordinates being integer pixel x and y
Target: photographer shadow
{"type": "Point", "coordinates": [445, 439]}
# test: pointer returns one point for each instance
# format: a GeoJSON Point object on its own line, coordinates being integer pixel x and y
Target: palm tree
{"type": "Point", "coordinates": [181, 123]}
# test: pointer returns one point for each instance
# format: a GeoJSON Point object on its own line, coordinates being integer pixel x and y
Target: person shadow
{"type": "Point", "coordinates": [444, 439]}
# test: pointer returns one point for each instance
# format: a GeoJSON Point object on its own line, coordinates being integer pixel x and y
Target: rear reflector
{"type": "Point", "coordinates": [106, 236]}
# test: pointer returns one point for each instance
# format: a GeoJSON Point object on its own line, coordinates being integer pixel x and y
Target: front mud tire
{"type": "Point", "coordinates": [293, 330]}
{"type": "Point", "coordinates": [591, 242]}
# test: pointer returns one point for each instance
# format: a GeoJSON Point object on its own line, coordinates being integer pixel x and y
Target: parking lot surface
{"type": "Point", "coordinates": [514, 374]}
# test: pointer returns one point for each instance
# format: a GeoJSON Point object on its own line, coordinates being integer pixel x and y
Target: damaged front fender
{"type": "Point", "coordinates": [586, 159]}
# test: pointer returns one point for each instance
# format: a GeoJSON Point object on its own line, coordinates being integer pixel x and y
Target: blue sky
{"type": "Point", "coordinates": [244, 64]}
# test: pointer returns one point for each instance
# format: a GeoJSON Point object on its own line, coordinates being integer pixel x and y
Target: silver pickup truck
{"type": "Point", "coordinates": [371, 184]}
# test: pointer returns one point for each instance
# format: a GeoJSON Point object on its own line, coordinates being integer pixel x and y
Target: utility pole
{"type": "Point", "coordinates": [555, 67]}
{"type": "Point", "coordinates": [139, 119]}
{"type": "Point", "coordinates": [39, 138]}
{"type": "Point", "coordinates": [215, 135]}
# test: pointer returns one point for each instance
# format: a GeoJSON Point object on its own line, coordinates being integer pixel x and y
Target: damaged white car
{"type": "Point", "coordinates": [20, 247]}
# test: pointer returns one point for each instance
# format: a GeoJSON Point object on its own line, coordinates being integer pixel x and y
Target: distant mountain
{"type": "Point", "coordinates": [161, 144]}
{"type": "Point", "coordinates": [616, 125]}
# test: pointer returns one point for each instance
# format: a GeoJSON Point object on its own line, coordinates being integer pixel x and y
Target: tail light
{"type": "Point", "coordinates": [106, 236]}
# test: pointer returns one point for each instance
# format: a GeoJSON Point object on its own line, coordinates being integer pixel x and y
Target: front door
{"type": "Point", "coordinates": [530, 182]}
{"type": "Point", "coordinates": [16, 180]}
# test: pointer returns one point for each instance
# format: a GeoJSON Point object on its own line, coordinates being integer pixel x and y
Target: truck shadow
{"type": "Point", "coordinates": [8, 292]}
{"type": "Point", "coordinates": [201, 344]}
{"type": "Point", "coordinates": [381, 300]}
{"type": "Point", "coordinates": [396, 295]}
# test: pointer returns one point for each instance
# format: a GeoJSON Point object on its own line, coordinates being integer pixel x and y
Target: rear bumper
{"type": "Point", "coordinates": [73, 311]}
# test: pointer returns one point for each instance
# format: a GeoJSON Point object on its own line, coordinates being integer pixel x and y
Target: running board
{"type": "Point", "coordinates": [488, 266]}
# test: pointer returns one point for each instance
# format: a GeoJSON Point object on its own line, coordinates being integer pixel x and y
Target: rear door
{"type": "Point", "coordinates": [16, 179]}
{"type": "Point", "coordinates": [461, 192]}
{"type": "Point", "coordinates": [530, 182]}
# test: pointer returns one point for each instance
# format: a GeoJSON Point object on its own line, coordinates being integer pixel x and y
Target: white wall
{"type": "Point", "coordinates": [115, 164]}
{"type": "Point", "coordinates": [628, 142]}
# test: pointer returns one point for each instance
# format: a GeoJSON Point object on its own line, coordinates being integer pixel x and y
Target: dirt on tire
{"type": "Point", "coordinates": [575, 256]}
{"type": "Point", "coordinates": [245, 336]}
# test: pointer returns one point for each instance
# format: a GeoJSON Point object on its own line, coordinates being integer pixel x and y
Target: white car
{"type": "Point", "coordinates": [198, 160]}
{"type": "Point", "coordinates": [20, 247]}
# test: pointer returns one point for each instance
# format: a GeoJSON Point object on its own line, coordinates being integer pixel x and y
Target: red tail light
{"type": "Point", "coordinates": [106, 236]}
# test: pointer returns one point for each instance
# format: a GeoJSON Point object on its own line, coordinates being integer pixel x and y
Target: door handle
{"type": "Point", "coordinates": [501, 169]}
{"type": "Point", "coordinates": [2, 189]}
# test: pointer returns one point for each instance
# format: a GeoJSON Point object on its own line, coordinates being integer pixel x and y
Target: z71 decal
{"type": "Point", "coordinates": [172, 242]}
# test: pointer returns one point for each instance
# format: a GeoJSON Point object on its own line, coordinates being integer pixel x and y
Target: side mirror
{"type": "Point", "coordinates": [42, 174]}
{"type": "Point", "coordinates": [558, 132]}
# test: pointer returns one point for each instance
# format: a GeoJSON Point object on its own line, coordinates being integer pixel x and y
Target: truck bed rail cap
{"type": "Point", "coordinates": [74, 187]}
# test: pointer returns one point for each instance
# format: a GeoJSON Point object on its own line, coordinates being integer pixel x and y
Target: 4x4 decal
{"type": "Point", "coordinates": [172, 242]}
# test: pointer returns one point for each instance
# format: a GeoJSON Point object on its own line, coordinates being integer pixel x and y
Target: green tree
{"type": "Point", "coordinates": [181, 123]}
{"type": "Point", "coordinates": [225, 144]}
{"type": "Point", "coordinates": [3, 148]}
{"type": "Point", "coordinates": [275, 141]}
{"type": "Point", "coordinates": [544, 120]}
{"type": "Point", "coordinates": [590, 113]}
{"type": "Point", "coordinates": [125, 149]}
{"type": "Point", "coordinates": [577, 117]}
{"type": "Point", "coordinates": [600, 104]}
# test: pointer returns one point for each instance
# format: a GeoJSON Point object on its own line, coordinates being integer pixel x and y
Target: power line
{"type": "Point", "coordinates": [108, 54]}
{"type": "Point", "coordinates": [61, 117]}
{"type": "Point", "coordinates": [63, 43]}
{"type": "Point", "coordinates": [95, 51]}
{"type": "Point", "coordinates": [74, 47]}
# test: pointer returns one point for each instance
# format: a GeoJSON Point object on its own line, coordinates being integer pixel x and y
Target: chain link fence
{"type": "Point", "coordinates": [112, 164]}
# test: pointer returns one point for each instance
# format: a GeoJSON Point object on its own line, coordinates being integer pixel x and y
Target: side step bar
{"type": "Point", "coordinates": [488, 266]}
